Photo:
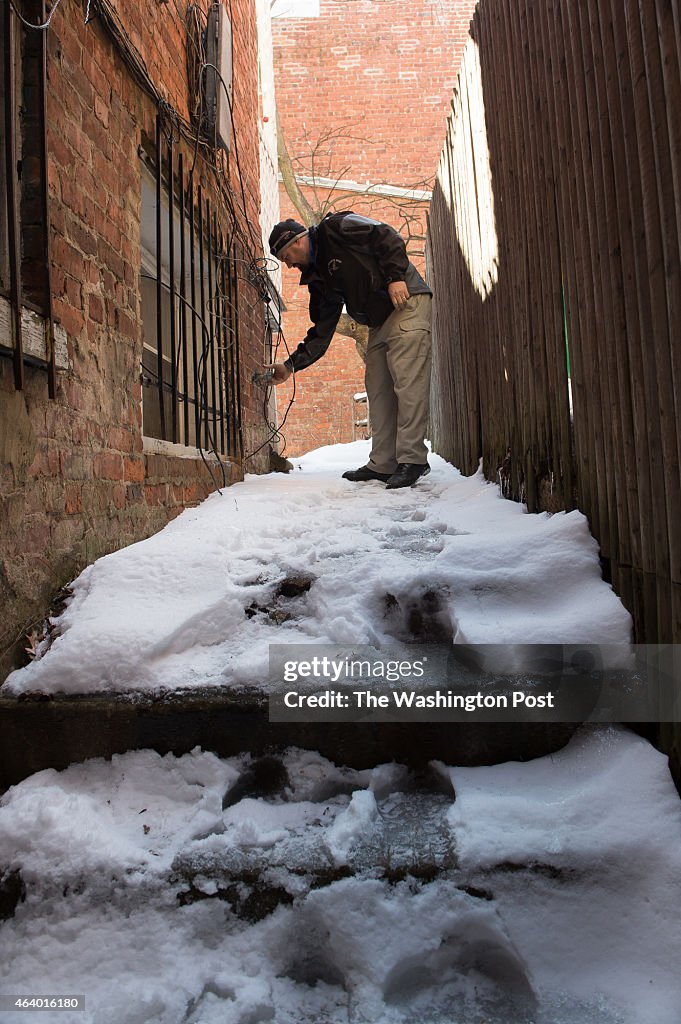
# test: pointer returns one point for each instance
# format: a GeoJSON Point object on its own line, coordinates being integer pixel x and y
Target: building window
{"type": "Point", "coordinates": [26, 326]}
{"type": "Point", "coordinates": [190, 362]}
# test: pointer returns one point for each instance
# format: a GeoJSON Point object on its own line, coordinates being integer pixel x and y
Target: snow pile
{"type": "Point", "coordinates": [567, 796]}
{"type": "Point", "coordinates": [350, 823]}
{"type": "Point", "coordinates": [126, 815]}
{"type": "Point", "coordinates": [600, 826]}
{"type": "Point", "coordinates": [561, 909]}
{"type": "Point", "coordinates": [193, 605]}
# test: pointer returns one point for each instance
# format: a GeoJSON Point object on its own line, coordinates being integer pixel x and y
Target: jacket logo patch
{"type": "Point", "coordinates": [334, 265]}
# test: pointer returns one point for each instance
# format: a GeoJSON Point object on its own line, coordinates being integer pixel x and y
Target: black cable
{"type": "Point", "coordinates": [236, 147]}
{"type": "Point", "coordinates": [201, 375]}
{"type": "Point", "coordinates": [213, 441]}
{"type": "Point", "coordinates": [275, 431]}
{"type": "Point", "coordinates": [195, 312]}
{"type": "Point", "coordinates": [221, 177]}
{"type": "Point", "coordinates": [176, 127]}
{"type": "Point", "coordinates": [195, 42]}
{"type": "Point", "coordinates": [136, 65]}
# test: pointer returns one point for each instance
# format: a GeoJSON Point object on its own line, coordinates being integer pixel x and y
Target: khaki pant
{"type": "Point", "coordinates": [398, 385]}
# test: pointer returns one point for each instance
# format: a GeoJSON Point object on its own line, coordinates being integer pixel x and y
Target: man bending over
{"type": "Point", "coordinates": [353, 261]}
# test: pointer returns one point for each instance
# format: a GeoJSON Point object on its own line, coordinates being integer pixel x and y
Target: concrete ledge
{"type": "Point", "coordinates": [53, 733]}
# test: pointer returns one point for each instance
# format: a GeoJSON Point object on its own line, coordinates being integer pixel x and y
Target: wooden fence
{"type": "Point", "coordinates": [554, 255]}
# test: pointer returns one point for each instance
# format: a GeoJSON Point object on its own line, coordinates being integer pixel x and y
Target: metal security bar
{"type": "Point", "coordinates": [24, 251]}
{"type": "Point", "coordinates": [190, 367]}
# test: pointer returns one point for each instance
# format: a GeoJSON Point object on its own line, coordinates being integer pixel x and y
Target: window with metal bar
{"type": "Point", "coordinates": [26, 323]}
{"type": "Point", "coordinates": [4, 193]}
{"type": "Point", "coordinates": [190, 364]}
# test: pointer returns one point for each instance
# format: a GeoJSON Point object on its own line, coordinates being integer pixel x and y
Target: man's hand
{"type": "Point", "coordinates": [399, 294]}
{"type": "Point", "coordinates": [281, 372]}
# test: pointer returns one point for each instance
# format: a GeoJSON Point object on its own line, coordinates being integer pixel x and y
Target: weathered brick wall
{"type": "Point", "coordinates": [379, 75]}
{"type": "Point", "coordinates": [75, 481]}
{"type": "Point", "coordinates": [386, 67]}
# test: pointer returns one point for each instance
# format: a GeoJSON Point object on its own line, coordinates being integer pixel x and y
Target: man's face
{"type": "Point", "coordinates": [297, 254]}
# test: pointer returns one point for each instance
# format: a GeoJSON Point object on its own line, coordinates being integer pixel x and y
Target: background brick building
{"type": "Point", "coordinates": [363, 92]}
{"type": "Point", "coordinates": [84, 466]}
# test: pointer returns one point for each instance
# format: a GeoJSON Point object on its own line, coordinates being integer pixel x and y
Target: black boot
{"type": "Point", "coordinates": [406, 475]}
{"type": "Point", "coordinates": [364, 473]}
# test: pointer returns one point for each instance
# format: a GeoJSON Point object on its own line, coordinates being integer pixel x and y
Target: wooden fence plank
{"type": "Point", "coordinates": [579, 306]}
{"type": "Point", "coordinates": [567, 214]}
{"type": "Point", "coordinates": [652, 282]}
{"type": "Point", "coordinates": [501, 307]}
{"type": "Point", "coordinates": [556, 470]}
{"type": "Point", "coordinates": [612, 347]}
{"type": "Point", "coordinates": [557, 357]}
{"type": "Point", "coordinates": [594, 367]}
{"type": "Point", "coordinates": [638, 480]}
{"type": "Point", "coordinates": [669, 273]}
{"type": "Point", "coordinates": [576, 106]}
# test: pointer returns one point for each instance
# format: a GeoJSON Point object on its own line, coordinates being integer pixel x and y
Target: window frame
{"type": "Point", "coordinates": [199, 343]}
{"type": "Point", "coordinates": [28, 337]}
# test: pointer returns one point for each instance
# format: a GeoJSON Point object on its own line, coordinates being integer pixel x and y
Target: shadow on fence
{"type": "Point", "coordinates": [554, 253]}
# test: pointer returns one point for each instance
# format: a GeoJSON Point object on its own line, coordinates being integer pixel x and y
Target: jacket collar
{"type": "Point", "coordinates": [311, 271]}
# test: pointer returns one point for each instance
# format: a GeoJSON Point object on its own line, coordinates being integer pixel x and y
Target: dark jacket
{"type": "Point", "coordinates": [355, 259]}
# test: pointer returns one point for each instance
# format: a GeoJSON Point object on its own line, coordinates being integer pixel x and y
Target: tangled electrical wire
{"type": "Point", "coordinates": [193, 133]}
{"type": "Point", "coordinates": [258, 268]}
{"type": "Point", "coordinates": [276, 435]}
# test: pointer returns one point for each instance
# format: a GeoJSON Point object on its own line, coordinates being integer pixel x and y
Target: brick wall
{"type": "Point", "coordinates": [378, 75]}
{"type": "Point", "coordinates": [75, 479]}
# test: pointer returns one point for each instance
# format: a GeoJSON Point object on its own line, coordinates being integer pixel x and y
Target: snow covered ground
{"type": "Point", "coordinates": [185, 607]}
{"type": "Point", "coordinates": [555, 900]}
{"type": "Point", "coordinates": [184, 890]}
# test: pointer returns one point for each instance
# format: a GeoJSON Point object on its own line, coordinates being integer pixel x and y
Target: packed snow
{"type": "Point", "coordinates": [287, 889]}
{"type": "Point", "coordinates": [554, 902]}
{"type": "Point", "coordinates": [197, 605]}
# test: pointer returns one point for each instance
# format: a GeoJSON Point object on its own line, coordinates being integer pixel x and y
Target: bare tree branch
{"type": "Point", "coordinates": [320, 152]}
{"type": "Point", "coordinates": [290, 184]}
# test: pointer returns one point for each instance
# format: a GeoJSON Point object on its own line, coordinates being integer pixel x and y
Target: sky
{"type": "Point", "coordinates": [295, 9]}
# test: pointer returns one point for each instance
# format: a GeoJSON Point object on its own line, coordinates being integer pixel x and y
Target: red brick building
{"type": "Point", "coordinates": [131, 296]}
{"type": "Point", "coordinates": [363, 93]}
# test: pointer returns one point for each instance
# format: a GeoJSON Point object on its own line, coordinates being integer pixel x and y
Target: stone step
{"type": "Point", "coordinates": [52, 732]}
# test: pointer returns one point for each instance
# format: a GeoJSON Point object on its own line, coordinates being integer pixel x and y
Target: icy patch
{"type": "Point", "coordinates": [350, 824]}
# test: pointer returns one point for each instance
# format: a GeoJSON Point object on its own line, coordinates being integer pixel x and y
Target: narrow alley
{"type": "Point", "coordinates": [283, 744]}
{"type": "Point", "coordinates": [288, 888]}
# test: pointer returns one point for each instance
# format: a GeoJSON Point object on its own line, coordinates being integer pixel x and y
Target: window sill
{"type": "Point", "coordinates": [33, 339]}
{"type": "Point", "coordinates": [155, 446]}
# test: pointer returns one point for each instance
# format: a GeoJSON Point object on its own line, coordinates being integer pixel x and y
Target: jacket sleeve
{"type": "Point", "coordinates": [325, 310]}
{"type": "Point", "coordinates": [380, 241]}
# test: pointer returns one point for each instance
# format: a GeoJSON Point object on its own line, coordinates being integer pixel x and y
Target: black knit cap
{"type": "Point", "coordinates": [284, 233]}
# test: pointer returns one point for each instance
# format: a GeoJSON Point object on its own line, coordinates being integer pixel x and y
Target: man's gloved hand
{"type": "Point", "coordinates": [281, 372]}
{"type": "Point", "coordinates": [399, 294]}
